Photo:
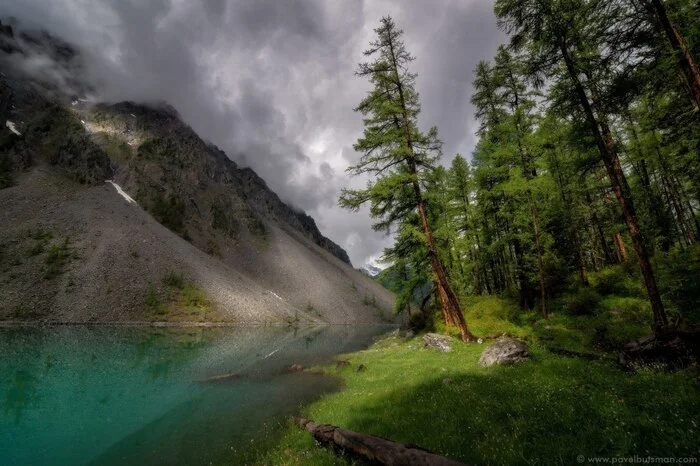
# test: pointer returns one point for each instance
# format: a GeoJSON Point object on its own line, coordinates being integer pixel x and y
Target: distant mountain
{"type": "Point", "coordinates": [370, 270]}
{"type": "Point", "coordinates": [120, 212]}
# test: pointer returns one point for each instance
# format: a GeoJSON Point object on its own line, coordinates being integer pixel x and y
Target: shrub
{"type": "Point", "coordinates": [367, 301]}
{"type": "Point", "coordinates": [174, 280]}
{"type": "Point", "coordinates": [194, 297]}
{"type": "Point", "coordinates": [58, 256]}
{"type": "Point", "coordinates": [153, 303]}
{"type": "Point", "coordinates": [617, 280]}
{"type": "Point", "coordinates": [170, 212]}
{"type": "Point", "coordinates": [257, 227]}
{"type": "Point", "coordinates": [153, 148]}
{"type": "Point", "coordinates": [37, 249]}
{"type": "Point", "coordinates": [42, 237]}
{"type": "Point", "coordinates": [584, 302]}
{"type": "Point", "coordinates": [422, 320]}
{"type": "Point", "coordinates": [679, 279]}
{"type": "Point", "coordinates": [222, 221]}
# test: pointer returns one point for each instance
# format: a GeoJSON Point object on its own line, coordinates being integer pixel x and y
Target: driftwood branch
{"type": "Point", "coordinates": [373, 449]}
{"type": "Point", "coordinates": [221, 378]}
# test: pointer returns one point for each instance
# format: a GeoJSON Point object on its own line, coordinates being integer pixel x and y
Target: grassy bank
{"type": "Point", "coordinates": [546, 411]}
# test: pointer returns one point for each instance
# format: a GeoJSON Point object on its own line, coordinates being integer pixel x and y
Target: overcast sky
{"type": "Point", "coordinates": [272, 81]}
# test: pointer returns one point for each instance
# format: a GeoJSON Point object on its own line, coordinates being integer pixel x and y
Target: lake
{"type": "Point", "coordinates": [139, 395]}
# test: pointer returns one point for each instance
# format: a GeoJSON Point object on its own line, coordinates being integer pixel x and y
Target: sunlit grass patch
{"type": "Point", "coordinates": [546, 411]}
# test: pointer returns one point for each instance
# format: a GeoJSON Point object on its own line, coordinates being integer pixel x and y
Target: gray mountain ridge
{"type": "Point", "coordinates": [123, 207]}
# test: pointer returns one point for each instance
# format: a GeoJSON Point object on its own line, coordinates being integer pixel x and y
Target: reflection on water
{"type": "Point", "coordinates": [21, 392]}
{"type": "Point", "coordinates": [77, 395]}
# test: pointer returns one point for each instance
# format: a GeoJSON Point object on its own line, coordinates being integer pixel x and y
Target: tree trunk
{"type": "Point", "coordinates": [443, 298]}
{"type": "Point", "coordinates": [686, 64]}
{"type": "Point", "coordinates": [374, 450]}
{"type": "Point", "coordinates": [450, 303]}
{"type": "Point", "coordinates": [606, 147]}
{"type": "Point", "coordinates": [689, 204]}
{"type": "Point", "coordinates": [535, 226]}
{"type": "Point", "coordinates": [528, 174]}
{"type": "Point", "coordinates": [538, 247]}
{"type": "Point", "coordinates": [620, 248]}
{"type": "Point", "coordinates": [523, 289]}
{"type": "Point", "coordinates": [599, 230]}
{"type": "Point", "coordinates": [580, 265]}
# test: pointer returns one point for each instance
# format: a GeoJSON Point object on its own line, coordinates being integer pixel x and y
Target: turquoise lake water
{"type": "Point", "coordinates": [107, 395]}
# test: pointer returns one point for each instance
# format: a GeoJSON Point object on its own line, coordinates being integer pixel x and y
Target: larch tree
{"type": "Point", "coordinates": [506, 107]}
{"type": "Point", "coordinates": [398, 155]}
{"type": "Point", "coordinates": [564, 40]}
{"type": "Point", "coordinates": [687, 66]}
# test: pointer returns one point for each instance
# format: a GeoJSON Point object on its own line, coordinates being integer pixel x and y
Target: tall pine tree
{"type": "Point", "coordinates": [398, 154]}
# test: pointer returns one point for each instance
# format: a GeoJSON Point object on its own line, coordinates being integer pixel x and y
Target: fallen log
{"type": "Point", "coordinates": [375, 450]}
{"type": "Point", "coordinates": [673, 349]}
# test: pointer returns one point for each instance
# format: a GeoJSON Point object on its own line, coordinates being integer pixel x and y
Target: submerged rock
{"type": "Point", "coordinates": [505, 350]}
{"type": "Point", "coordinates": [293, 368]}
{"type": "Point", "coordinates": [443, 343]}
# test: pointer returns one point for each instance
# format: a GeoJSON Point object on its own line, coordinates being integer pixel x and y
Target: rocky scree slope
{"type": "Point", "coordinates": [120, 212]}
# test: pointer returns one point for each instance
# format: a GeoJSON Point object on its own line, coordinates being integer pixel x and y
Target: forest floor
{"type": "Point", "coordinates": [554, 409]}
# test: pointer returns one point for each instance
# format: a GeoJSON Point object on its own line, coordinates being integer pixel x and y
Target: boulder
{"type": "Point", "coordinates": [342, 363]}
{"type": "Point", "coordinates": [505, 350]}
{"type": "Point", "coordinates": [441, 343]}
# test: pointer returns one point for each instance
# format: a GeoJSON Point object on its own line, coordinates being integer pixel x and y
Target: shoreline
{"type": "Point", "coordinates": [139, 323]}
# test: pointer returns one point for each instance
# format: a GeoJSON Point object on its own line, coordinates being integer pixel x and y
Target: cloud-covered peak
{"type": "Point", "coordinates": [272, 83]}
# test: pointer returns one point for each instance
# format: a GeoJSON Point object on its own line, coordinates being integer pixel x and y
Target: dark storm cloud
{"type": "Point", "coordinates": [272, 82]}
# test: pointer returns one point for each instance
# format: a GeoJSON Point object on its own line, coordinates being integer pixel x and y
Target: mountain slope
{"type": "Point", "coordinates": [122, 213]}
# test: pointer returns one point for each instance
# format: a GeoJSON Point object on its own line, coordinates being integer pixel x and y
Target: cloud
{"type": "Point", "coordinates": [273, 83]}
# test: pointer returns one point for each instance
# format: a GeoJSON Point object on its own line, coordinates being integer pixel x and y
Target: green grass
{"type": "Point", "coordinates": [181, 300]}
{"type": "Point", "coordinates": [41, 239]}
{"type": "Point", "coordinates": [194, 297]}
{"type": "Point", "coordinates": [58, 256]}
{"type": "Point", "coordinates": [545, 411]}
{"type": "Point", "coordinates": [153, 303]}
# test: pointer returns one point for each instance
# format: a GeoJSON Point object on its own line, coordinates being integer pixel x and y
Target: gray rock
{"type": "Point", "coordinates": [437, 341]}
{"type": "Point", "coordinates": [505, 350]}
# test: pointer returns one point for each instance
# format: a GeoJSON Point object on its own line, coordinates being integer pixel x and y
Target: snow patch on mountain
{"type": "Point", "coordinates": [12, 127]}
{"type": "Point", "coordinates": [123, 194]}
